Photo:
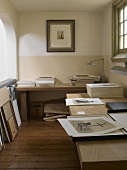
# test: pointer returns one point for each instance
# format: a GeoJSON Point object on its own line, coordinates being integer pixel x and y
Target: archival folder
{"type": "Point", "coordinates": [116, 107]}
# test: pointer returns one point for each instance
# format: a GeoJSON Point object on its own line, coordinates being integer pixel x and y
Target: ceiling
{"type": "Point", "coordinates": [60, 5]}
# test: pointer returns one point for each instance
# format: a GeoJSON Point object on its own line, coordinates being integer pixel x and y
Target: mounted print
{"type": "Point", "coordinates": [60, 35]}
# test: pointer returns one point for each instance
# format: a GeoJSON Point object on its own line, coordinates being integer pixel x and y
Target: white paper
{"type": "Point", "coordinates": [1, 140]}
{"type": "Point", "coordinates": [16, 111]}
{"type": "Point", "coordinates": [103, 126]}
{"type": "Point", "coordinates": [120, 118]}
{"type": "Point", "coordinates": [81, 113]}
{"type": "Point", "coordinates": [83, 101]}
{"type": "Point", "coordinates": [45, 81]}
{"type": "Point", "coordinates": [26, 83]}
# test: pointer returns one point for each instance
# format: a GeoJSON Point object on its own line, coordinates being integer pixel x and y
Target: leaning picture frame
{"type": "Point", "coordinates": [60, 35]}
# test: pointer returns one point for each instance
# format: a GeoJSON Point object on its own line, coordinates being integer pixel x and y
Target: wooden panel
{"type": "Point", "coordinates": [9, 118]}
{"type": "Point", "coordinates": [4, 128]}
{"type": "Point", "coordinates": [58, 108]}
{"type": "Point", "coordinates": [102, 154]}
{"type": "Point", "coordinates": [78, 95]}
{"type": "Point", "coordinates": [4, 96]}
{"type": "Point", "coordinates": [114, 100]}
{"type": "Point", "coordinates": [50, 88]}
{"type": "Point", "coordinates": [7, 110]}
{"type": "Point", "coordinates": [89, 110]}
{"type": "Point", "coordinates": [12, 127]}
{"type": "Point", "coordinates": [107, 165]}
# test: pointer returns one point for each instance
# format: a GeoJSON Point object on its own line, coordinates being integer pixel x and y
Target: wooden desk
{"type": "Point", "coordinates": [100, 155]}
{"type": "Point", "coordinates": [24, 95]}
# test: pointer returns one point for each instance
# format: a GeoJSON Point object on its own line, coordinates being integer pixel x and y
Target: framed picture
{"type": "Point", "coordinates": [60, 35]}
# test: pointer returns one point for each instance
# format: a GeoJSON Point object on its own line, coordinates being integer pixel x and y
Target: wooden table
{"type": "Point", "coordinates": [100, 155]}
{"type": "Point", "coordinates": [24, 94]}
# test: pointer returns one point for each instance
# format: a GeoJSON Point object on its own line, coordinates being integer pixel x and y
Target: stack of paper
{"type": "Point", "coordinates": [45, 81]}
{"type": "Point", "coordinates": [26, 83]}
{"type": "Point", "coordinates": [82, 80]}
{"type": "Point", "coordinates": [104, 90]}
{"type": "Point", "coordinates": [85, 77]}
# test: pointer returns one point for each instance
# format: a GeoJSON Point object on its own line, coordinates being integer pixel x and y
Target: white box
{"type": "Point", "coordinates": [104, 90]}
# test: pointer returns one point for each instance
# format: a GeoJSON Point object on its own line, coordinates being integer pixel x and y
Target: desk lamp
{"type": "Point", "coordinates": [92, 63]}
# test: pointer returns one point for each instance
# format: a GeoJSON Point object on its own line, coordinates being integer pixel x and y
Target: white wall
{"type": "Point", "coordinates": [8, 16]}
{"type": "Point", "coordinates": [6, 8]}
{"type": "Point", "coordinates": [34, 61]}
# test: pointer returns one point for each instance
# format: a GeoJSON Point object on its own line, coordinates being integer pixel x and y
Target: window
{"type": "Point", "coordinates": [123, 28]}
{"type": "Point", "coordinates": [119, 19]}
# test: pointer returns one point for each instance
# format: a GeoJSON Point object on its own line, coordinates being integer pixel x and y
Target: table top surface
{"type": "Point", "coordinates": [104, 150]}
{"type": "Point", "coordinates": [55, 87]}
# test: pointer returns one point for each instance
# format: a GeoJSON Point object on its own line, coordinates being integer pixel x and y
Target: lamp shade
{"type": "Point", "coordinates": [91, 63]}
{"type": "Point", "coordinates": [119, 70]}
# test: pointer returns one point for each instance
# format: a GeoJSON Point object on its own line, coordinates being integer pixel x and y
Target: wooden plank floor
{"type": "Point", "coordinates": [40, 145]}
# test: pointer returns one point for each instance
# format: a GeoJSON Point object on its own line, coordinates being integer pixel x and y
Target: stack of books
{"type": "Point", "coordinates": [26, 83]}
{"type": "Point", "coordinates": [104, 90]}
{"type": "Point", "coordinates": [45, 81]}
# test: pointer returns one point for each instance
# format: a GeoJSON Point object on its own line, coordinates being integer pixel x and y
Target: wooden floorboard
{"type": "Point", "coordinates": [40, 145]}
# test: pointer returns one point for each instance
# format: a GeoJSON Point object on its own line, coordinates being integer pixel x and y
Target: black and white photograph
{"type": "Point", "coordinates": [60, 35]}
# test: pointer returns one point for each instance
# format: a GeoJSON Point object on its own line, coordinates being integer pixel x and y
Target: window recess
{"type": "Point", "coordinates": [119, 31]}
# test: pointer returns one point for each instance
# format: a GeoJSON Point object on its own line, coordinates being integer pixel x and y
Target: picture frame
{"type": "Point", "coordinates": [60, 35]}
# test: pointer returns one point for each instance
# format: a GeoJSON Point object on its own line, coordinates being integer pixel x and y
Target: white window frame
{"type": "Point", "coordinates": [118, 55]}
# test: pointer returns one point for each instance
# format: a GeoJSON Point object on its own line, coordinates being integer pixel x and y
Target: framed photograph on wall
{"type": "Point", "coordinates": [60, 35]}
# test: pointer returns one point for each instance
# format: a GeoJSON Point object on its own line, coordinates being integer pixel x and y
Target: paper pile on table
{"type": "Point", "coordinates": [82, 80]}
{"type": "Point", "coordinates": [45, 81]}
{"type": "Point", "coordinates": [26, 83]}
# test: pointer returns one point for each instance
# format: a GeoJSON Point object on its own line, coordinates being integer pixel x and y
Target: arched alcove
{"type": "Point", "coordinates": [3, 52]}
{"type": "Point", "coordinates": [9, 51]}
